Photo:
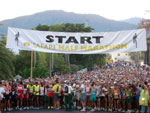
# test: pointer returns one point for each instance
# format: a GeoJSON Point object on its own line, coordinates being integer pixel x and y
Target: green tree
{"type": "Point", "coordinates": [38, 72]}
{"type": "Point", "coordinates": [69, 27]}
{"type": "Point", "coordinates": [23, 60]}
{"type": "Point", "coordinates": [42, 59]}
{"type": "Point", "coordinates": [60, 65]}
{"type": "Point", "coordinates": [41, 27]}
{"type": "Point", "coordinates": [7, 70]}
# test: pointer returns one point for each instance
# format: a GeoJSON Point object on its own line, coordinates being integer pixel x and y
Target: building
{"type": "Point", "coordinates": [120, 57]}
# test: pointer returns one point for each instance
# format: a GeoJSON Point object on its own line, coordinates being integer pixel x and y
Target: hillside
{"type": "Point", "coordinates": [97, 22]}
{"type": "Point", "coordinates": [135, 20]}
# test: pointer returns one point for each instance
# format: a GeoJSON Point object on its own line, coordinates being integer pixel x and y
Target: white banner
{"type": "Point", "coordinates": [77, 43]}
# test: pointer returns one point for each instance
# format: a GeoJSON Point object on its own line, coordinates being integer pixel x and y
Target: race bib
{"type": "Point", "coordinates": [24, 92]}
{"type": "Point", "coordinates": [143, 99]}
{"type": "Point", "coordinates": [36, 90]}
{"type": "Point", "coordinates": [13, 93]}
{"type": "Point", "coordinates": [31, 90]}
{"type": "Point", "coordinates": [116, 93]}
{"type": "Point", "coordinates": [7, 92]}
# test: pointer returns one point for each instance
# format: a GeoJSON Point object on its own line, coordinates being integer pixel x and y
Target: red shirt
{"type": "Point", "coordinates": [20, 89]}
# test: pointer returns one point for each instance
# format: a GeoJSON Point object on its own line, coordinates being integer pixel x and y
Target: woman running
{"type": "Point", "coordinates": [41, 95]}
{"type": "Point", "coordinates": [13, 96]}
{"type": "Point", "coordinates": [110, 98]}
{"type": "Point", "coordinates": [50, 96]}
{"type": "Point", "coordinates": [124, 99]}
{"type": "Point", "coordinates": [116, 94]}
{"type": "Point", "coordinates": [7, 96]}
{"type": "Point", "coordinates": [26, 97]}
{"type": "Point", "coordinates": [87, 86]}
{"type": "Point", "coordinates": [93, 97]}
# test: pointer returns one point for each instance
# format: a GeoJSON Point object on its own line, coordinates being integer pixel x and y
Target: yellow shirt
{"type": "Point", "coordinates": [30, 88]}
{"type": "Point", "coordinates": [56, 88]}
{"type": "Point", "coordinates": [37, 90]}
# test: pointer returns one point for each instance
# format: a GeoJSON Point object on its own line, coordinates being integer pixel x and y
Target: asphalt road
{"type": "Point", "coordinates": [54, 111]}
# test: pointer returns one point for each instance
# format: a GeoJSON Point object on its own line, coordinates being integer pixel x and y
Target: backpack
{"type": "Point", "coordinates": [57, 89]}
{"type": "Point", "coordinates": [66, 89]}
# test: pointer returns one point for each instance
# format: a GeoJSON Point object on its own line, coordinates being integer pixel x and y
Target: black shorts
{"type": "Point", "coordinates": [106, 96]}
{"type": "Point", "coordinates": [2, 101]}
{"type": "Point", "coordinates": [41, 96]}
{"type": "Point", "coordinates": [36, 96]}
{"type": "Point", "coordinates": [102, 98]}
{"type": "Point", "coordinates": [13, 97]}
{"type": "Point", "coordinates": [98, 97]}
{"type": "Point", "coordinates": [30, 95]}
{"type": "Point", "coordinates": [116, 100]}
{"type": "Point", "coordinates": [7, 97]}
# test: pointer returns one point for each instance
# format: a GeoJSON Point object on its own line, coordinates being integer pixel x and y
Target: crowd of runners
{"type": "Point", "coordinates": [115, 87]}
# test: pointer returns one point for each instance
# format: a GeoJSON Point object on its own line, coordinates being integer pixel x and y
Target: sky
{"type": "Point", "coordinates": [112, 9]}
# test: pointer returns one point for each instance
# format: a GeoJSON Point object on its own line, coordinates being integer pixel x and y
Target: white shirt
{"type": "Point", "coordinates": [70, 89]}
{"type": "Point", "coordinates": [41, 91]}
{"type": "Point", "coordinates": [83, 88]}
{"type": "Point", "coordinates": [2, 90]}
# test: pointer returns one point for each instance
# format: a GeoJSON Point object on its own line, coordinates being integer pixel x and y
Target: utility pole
{"type": "Point", "coordinates": [51, 63]}
{"type": "Point", "coordinates": [34, 57]}
{"type": "Point", "coordinates": [86, 22]}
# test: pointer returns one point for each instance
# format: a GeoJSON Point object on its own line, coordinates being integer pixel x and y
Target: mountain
{"type": "Point", "coordinates": [135, 20]}
{"type": "Point", "coordinates": [97, 22]}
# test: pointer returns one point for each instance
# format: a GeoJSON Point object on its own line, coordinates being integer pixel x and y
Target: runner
{"type": "Point", "coordinates": [102, 97]}
{"type": "Point", "coordinates": [83, 96]}
{"type": "Point", "coordinates": [93, 97]}
{"type": "Point", "coordinates": [116, 98]}
{"type": "Point", "coordinates": [56, 89]}
{"type": "Point", "coordinates": [26, 97]}
{"type": "Point", "coordinates": [13, 96]}
{"type": "Point", "coordinates": [41, 95]}
{"type": "Point", "coordinates": [124, 99]}
{"type": "Point", "coordinates": [30, 89]}
{"type": "Point", "coordinates": [7, 96]}
{"type": "Point", "coordinates": [50, 97]}
{"type": "Point", "coordinates": [67, 92]}
{"type": "Point", "coordinates": [36, 90]}
{"type": "Point", "coordinates": [46, 99]}
{"type": "Point", "coordinates": [88, 90]}
{"type": "Point", "coordinates": [110, 97]}
{"type": "Point", "coordinates": [2, 91]}
{"type": "Point", "coordinates": [20, 96]}
{"type": "Point", "coordinates": [106, 97]}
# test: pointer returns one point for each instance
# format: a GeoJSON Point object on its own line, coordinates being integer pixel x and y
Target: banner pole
{"type": "Point", "coordinates": [145, 73]}
{"type": "Point", "coordinates": [31, 65]}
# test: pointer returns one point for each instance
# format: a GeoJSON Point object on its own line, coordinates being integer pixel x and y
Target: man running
{"type": "Point", "coordinates": [57, 90]}
{"type": "Point", "coordinates": [20, 95]}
